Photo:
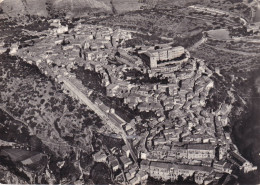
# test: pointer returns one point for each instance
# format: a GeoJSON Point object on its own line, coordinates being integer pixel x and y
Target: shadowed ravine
{"type": "Point", "coordinates": [246, 134]}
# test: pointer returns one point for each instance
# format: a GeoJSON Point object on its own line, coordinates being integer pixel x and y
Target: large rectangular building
{"type": "Point", "coordinates": [160, 57]}
{"type": "Point", "coordinates": [201, 151]}
{"type": "Point", "coordinates": [163, 54]}
{"type": "Point", "coordinates": [175, 52]}
{"type": "Point", "coordinates": [170, 171]}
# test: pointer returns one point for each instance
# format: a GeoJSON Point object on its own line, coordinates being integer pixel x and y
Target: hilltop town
{"type": "Point", "coordinates": [152, 97]}
{"type": "Point", "coordinates": [129, 92]}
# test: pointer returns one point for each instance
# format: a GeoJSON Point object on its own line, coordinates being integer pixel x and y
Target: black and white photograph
{"type": "Point", "coordinates": [130, 92]}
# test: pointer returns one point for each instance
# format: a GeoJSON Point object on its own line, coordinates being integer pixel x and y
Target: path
{"type": "Point", "coordinates": [233, 51]}
{"type": "Point", "coordinates": [199, 43]}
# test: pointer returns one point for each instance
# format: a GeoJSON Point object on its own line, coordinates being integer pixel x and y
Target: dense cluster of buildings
{"type": "Point", "coordinates": [183, 138]}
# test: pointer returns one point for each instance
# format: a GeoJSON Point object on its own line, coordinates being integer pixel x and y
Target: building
{"type": "Point", "coordinates": [244, 164]}
{"type": "Point", "coordinates": [120, 90]}
{"type": "Point", "coordinates": [190, 151]}
{"type": "Point", "coordinates": [126, 161]}
{"type": "Point", "coordinates": [100, 157]}
{"type": "Point", "coordinates": [160, 57]}
{"type": "Point", "coordinates": [111, 90]}
{"type": "Point", "coordinates": [144, 165]}
{"type": "Point", "coordinates": [169, 171]}
{"type": "Point", "coordinates": [113, 162]}
{"type": "Point", "coordinates": [200, 151]}
{"type": "Point", "coordinates": [160, 170]}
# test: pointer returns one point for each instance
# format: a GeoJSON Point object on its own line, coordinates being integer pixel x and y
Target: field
{"type": "Point", "coordinates": [230, 60]}
{"type": "Point", "coordinates": [17, 154]}
{"type": "Point", "coordinates": [233, 6]}
{"type": "Point", "coordinates": [126, 5]}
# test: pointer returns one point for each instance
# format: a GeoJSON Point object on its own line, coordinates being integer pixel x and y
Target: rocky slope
{"type": "Point", "coordinates": [23, 7]}
{"type": "Point", "coordinates": [46, 8]}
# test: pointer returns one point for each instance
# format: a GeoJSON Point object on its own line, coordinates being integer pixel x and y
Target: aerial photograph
{"type": "Point", "coordinates": [130, 92]}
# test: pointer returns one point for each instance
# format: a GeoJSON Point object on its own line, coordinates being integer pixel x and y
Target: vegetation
{"type": "Point", "coordinates": [41, 104]}
{"type": "Point", "coordinates": [101, 174]}
{"type": "Point", "coordinates": [218, 95]}
{"type": "Point", "coordinates": [13, 30]}
{"type": "Point", "coordinates": [235, 1]}
{"type": "Point", "coordinates": [240, 32]}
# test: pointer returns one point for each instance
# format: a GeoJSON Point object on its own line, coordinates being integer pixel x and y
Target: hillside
{"type": "Point", "coordinates": [122, 6]}
{"type": "Point", "coordinates": [46, 7]}
{"type": "Point", "coordinates": [77, 8]}
{"type": "Point", "coordinates": [23, 7]}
